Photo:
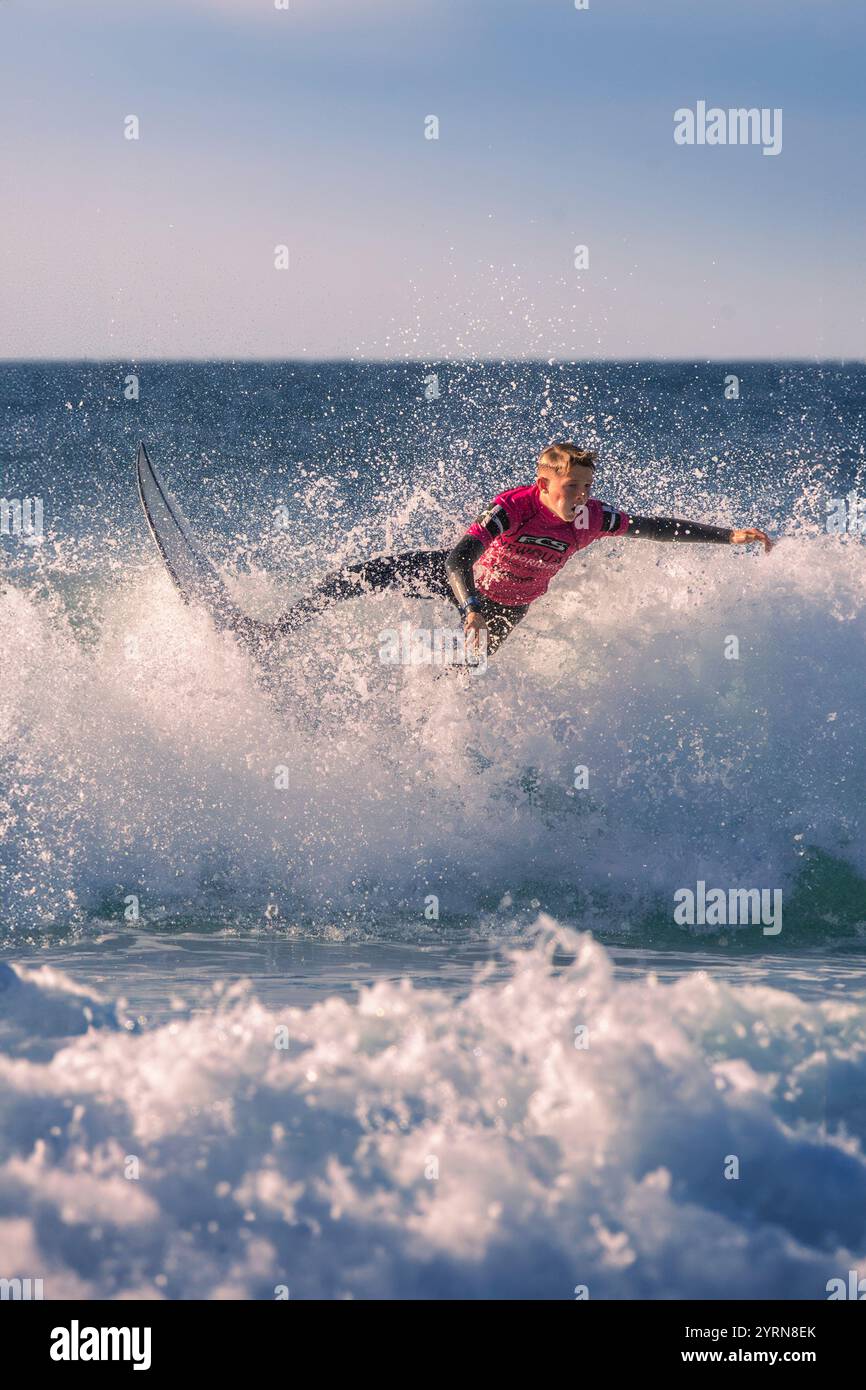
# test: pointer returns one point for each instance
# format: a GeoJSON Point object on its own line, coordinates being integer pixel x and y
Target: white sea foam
{"type": "Point", "coordinates": [140, 756]}
{"type": "Point", "coordinates": [412, 1145]}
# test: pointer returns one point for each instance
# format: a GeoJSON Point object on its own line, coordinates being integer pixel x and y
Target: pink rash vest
{"type": "Point", "coordinates": [526, 544]}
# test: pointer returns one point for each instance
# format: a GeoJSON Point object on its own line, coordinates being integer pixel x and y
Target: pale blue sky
{"type": "Point", "coordinates": [306, 127]}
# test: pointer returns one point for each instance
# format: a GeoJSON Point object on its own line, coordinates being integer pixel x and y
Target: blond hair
{"type": "Point", "coordinates": [560, 458]}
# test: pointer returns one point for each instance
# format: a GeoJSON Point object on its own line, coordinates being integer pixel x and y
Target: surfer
{"type": "Point", "coordinates": [508, 555]}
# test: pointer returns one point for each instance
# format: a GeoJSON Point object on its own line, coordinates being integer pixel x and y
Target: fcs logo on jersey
{"type": "Point", "coordinates": [547, 541]}
{"type": "Point", "coordinates": [495, 520]}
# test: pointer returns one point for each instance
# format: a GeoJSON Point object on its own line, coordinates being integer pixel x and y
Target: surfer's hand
{"type": "Point", "coordinates": [747, 536]}
{"type": "Point", "coordinates": [473, 626]}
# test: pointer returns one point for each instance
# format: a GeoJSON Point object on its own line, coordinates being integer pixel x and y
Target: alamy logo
{"type": "Point", "coordinates": [21, 516]}
{"type": "Point", "coordinates": [855, 1287]}
{"type": "Point", "coordinates": [737, 126]}
{"type": "Point", "coordinates": [21, 1289]}
{"type": "Point", "coordinates": [846, 514]}
{"type": "Point", "coordinates": [438, 646]}
{"type": "Point", "coordinates": [737, 907]}
{"type": "Point", "coordinates": [76, 1343]}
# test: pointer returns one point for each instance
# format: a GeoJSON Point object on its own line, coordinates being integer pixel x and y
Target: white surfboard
{"type": "Point", "coordinates": [195, 578]}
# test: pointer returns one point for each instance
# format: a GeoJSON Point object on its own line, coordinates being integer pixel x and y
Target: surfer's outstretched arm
{"type": "Point", "coordinates": [670, 528]}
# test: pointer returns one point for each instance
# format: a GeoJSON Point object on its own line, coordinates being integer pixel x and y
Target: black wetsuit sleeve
{"type": "Point", "coordinates": [458, 567]}
{"type": "Point", "coordinates": [670, 528]}
{"type": "Point", "coordinates": [495, 520]}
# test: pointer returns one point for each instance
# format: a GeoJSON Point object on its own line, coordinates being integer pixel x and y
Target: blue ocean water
{"type": "Point", "coordinates": [401, 870]}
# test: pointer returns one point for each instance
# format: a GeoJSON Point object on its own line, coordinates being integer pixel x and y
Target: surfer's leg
{"type": "Point", "coordinates": [501, 622]}
{"type": "Point", "coordinates": [415, 573]}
